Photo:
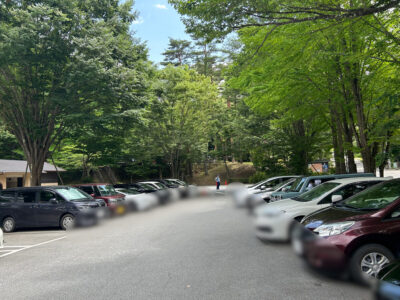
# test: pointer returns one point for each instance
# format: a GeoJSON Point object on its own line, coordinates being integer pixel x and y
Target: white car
{"type": "Point", "coordinates": [240, 196]}
{"type": "Point", "coordinates": [138, 201]}
{"type": "Point", "coordinates": [173, 194]}
{"type": "Point", "coordinates": [262, 197]}
{"type": "Point", "coordinates": [273, 220]}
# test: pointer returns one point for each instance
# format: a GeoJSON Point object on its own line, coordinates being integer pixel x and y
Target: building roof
{"type": "Point", "coordinates": [19, 166]}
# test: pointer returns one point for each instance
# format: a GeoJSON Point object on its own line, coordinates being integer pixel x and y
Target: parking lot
{"type": "Point", "coordinates": [196, 249]}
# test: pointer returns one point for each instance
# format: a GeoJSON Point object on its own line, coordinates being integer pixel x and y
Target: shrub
{"type": "Point", "coordinates": [258, 176]}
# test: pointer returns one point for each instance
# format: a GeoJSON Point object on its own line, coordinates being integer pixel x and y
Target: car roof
{"type": "Point", "coordinates": [359, 179]}
{"type": "Point", "coordinates": [92, 184]}
{"type": "Point", "coordinates": [339, 175]}
{"type": "Point", "coordinates": [38, 188]}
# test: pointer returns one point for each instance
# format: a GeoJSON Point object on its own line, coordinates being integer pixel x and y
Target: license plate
{"type": "Point", "coordinates": [120, 210]}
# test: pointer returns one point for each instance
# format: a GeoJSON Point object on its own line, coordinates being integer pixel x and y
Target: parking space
{"type": "Point", "coordinates": [196, 249]}
{"type": "Point", "coordinates": [24, 240]}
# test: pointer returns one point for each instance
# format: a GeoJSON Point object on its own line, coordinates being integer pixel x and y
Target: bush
{"type": "Point", "coordinates": [258, 176]}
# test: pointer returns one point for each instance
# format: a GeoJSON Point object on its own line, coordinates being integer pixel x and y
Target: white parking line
{"type": "Point", "coordinates": [28, 247]}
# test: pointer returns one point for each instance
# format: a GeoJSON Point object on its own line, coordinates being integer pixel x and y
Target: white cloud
{"type": "Point", "coordinates": [160, 6]}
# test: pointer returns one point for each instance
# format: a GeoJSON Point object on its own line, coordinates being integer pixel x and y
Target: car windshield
{"type": "Point", "coordinates": [258, 183]}
{"type": "Point", "coordinates": [279, 185]}
{"type": "Point", "coordinates": [376, 197]}
{"type": "Point", "coordinates": [317, 192]}
{"type": "Point", "coordinates": [147, 186]}
{"type": "Point", "coordinates": [180, 182]}
{"type": "Point", "coordinates": [107, 190]}
{"type": "Point", "coordinates": [128, 191]}
{"type": "Point", "coordinates": [297, 184]}
{"type": "Point", "coordinates": [73, 194]}
{"type": "Point", "coordinates": [160, 185]}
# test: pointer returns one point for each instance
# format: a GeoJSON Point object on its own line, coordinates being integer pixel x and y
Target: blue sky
{"type": "Point", "coordinates": [157, 21]}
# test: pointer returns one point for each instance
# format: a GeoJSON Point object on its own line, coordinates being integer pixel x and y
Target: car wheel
{"type": "Point", "coordinates": [8, 224]}
{"type": "Point", "coordinates": [367, 261]}
{"type": "Point", "coordinates": [67, 222]}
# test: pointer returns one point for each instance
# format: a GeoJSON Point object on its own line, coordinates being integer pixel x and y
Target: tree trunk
{"type": "Point", "coordinates": [205, 166]}
{"type": "Point", "coordinates": [337, 140]}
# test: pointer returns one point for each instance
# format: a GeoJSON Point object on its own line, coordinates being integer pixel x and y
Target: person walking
{"type": "Point", "coordinates": [217, 181]}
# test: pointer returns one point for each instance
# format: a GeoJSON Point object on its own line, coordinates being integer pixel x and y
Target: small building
{"type": "Point", "coordinates": [319, 166]}
{"type": "Point", "coordinates": [15, 173]}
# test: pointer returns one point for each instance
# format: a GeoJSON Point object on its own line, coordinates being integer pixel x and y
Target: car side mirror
{"type": "Point", "coordinates": [53, 201]}
{"type": "Point", "coordinates": [336, 198]}
{"type": "Point", "coordinates": [395, 214]}
{"type": "Point", "coordinates": [263, 187]}
{"type": "Point", "coordinates": [285, 189]}
{"type": "Point", "coordinates": [92, 195]}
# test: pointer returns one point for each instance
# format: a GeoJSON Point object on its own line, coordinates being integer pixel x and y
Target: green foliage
{"type": "Point", "coordinates": [258, 176]}
{"type": "Point", "coordinates": [64, 66]}
{"type": "Point", "coordinates": [178, 53]}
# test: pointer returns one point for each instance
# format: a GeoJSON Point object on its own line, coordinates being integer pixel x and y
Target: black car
{"type": "Point", "coordinates": [59, 206]}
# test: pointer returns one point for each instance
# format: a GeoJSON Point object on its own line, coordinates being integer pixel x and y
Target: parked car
{"type": "Point", "coordinates": [361, 234]}
{"type": "Point", "coordinates": [162, 192]}
{"type": "Point", "coordinates": [138, 201]}
{"type": "Point", "coordinates": [262, 197]}
{"type": "Point", "coordinates": [104, 191]}
{"type": "Point", "coordinates": [388, 287]}
{"type": "Point", "coordinates": [307, 183]}
{"type": "Point", "coordinates": [131, 186]}
{"type": "Point", "coordinates": [168, 184]}
{"type": "Point", "coordinates": [240, 195]}
{"type": "Point", "coordinates": [155, 184]}
{"type": "Point", "coordinates": [177, 181]}
{"type": "Point", "coordinates": [185, 190]}
{"type": "Point", "coordinates": [274, 220]}
{"type": "Point", "coordinates": [46, 207]}
{"type": "Point", "coordinates": [146, 188]}
{"type": "Point", "coordinates": [269, 183]}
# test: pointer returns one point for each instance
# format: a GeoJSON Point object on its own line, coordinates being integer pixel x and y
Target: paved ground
{"type": "Point", "coordinates": [196, 249]}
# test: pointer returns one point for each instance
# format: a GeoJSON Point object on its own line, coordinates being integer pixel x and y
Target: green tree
{"type": "Point", "coordinates": [59, 59]}
{"type": "Point", "coordinates": [178, 53]}
{"type": "Point", "coordinates": [178, 118]}
{"type": "Point", "coordinates": [218, 18]}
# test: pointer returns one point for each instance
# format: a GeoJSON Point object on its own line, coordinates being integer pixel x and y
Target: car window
{"type": "Point", "coordinates": [87, 189]}
{"type": "Point", "coordinates": [376, 197]}
{"type": "Point", "coordinates": [26, 197]}
{"type": "Point", "coordinates": [317, 192]}
{"type": "Point", "coordinates": [72, 194]}
{"type": "Point", "coordinates": [297, 184]}
{"type": "Point", "coordinates": [346, 192]}
{"type": "Point", "coordinates": [106, 190]}
{"type": "Point", "coordinates": [160, 185]}
{"type": "Point", "coordinates": [45, 196]}
{"type": "Point", "coordinates": [285, 184]}
{"type": "Point", "coordinates": [7, 197]}
{"type": "Point", "coordinates": [272, 183]}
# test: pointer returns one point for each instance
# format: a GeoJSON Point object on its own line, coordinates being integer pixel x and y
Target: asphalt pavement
{"type": "Point", "coordinates": [195, 249]}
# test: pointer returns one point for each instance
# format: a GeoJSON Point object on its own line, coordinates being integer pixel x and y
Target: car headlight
{"type": "Point", "coordinates": [82, 208]}
{"type": "Point", "coordinates": [333, 228]}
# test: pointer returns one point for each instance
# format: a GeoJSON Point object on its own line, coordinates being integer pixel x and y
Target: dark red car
{"type": "Point", "coordinates": [114, 200]}
{"type": "Point", "coordinates": [360, 234]}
